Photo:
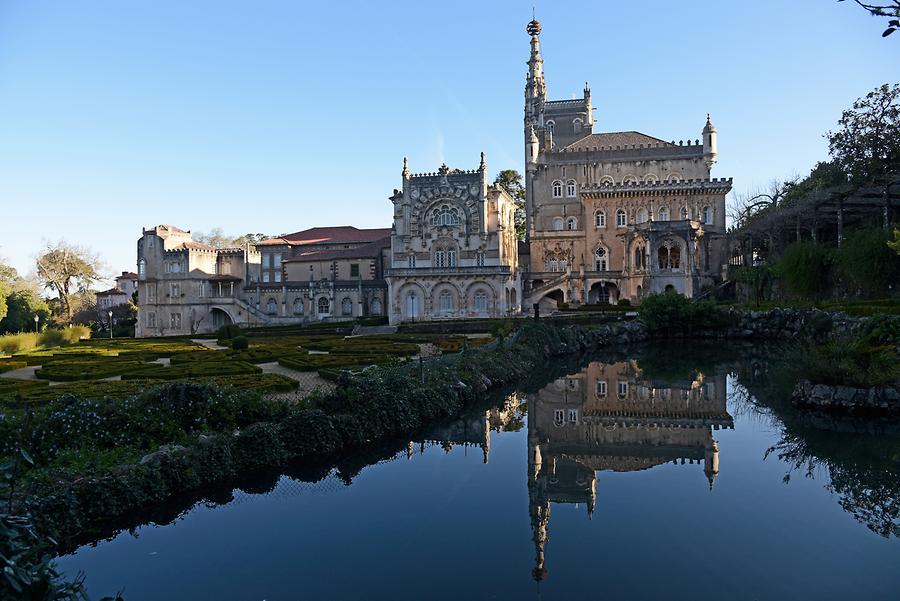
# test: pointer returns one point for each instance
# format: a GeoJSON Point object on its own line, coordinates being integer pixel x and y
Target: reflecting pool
{"type": "Point", "coordinates": [628, 477]}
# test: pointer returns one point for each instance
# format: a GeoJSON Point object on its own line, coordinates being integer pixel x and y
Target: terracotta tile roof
{"type": "Point", "coordinates": [616, 138]}
{"type": "Point", "coordinates": [111, 292]}
{"type": "Point", "coordinates": [367, 251]}
{"type": "Point", "coordinates": [128, 275]}
{"type": "Point", "coordinates": [327, 235]}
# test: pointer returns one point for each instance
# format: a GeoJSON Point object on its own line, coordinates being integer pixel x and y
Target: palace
{"type": "Point", "coordinates": [608, 216]}
{"type": "Point", "coordinates": [615, 215]}
{"type": "Point", "coordinates": [611, 417]}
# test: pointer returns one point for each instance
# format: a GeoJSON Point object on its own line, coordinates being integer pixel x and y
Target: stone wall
{"type": "Point", "coordinates": [877, 399]}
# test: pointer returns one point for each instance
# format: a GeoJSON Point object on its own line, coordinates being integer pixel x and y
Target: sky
{"type": "Point", "coordinates": [275, 116]}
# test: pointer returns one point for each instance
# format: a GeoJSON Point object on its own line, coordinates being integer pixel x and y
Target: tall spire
{"type": "Point", "coordinates": [536, 87]}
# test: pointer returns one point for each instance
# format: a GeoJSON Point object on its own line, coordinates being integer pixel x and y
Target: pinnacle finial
{"type": "Point", "coordinates": [483, 165]}
{"type": "Point", "coordinates": [534, 26]}
{"type": "Point", "coordinates": [405, 172]}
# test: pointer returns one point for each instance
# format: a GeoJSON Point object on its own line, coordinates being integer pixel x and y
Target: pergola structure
{"type": "Point", "coordinates": [820, 216]}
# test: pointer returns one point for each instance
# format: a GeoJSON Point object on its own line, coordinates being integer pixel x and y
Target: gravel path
{"type": "Point", "coordinates": [25, 373]}
{"type": "Point", "coordinates": [309, 381]}
{"type": "Point", "coordinates": [210, 343]}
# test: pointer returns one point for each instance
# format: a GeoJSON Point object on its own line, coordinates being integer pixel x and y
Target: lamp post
{"type": "Point", "coordinates": [37, 318]}
{"type": "Point", "coordinates": [110, 323]}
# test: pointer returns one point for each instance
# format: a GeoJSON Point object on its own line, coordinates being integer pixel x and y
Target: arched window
{"type": "Point", "coordinates": [324, 306]}
{"type": "Point", "coordinates": [600, 259]}
{"type": "Point", "coordinates": [629, 180]}
{"type": "Point", "coordinates": [481, 302]}
{"type": "Point", "coordinates": [271, 307]}
{"type": "Point", "coordinates": [675, 257]}
{"type": "Point", "coordinates": [557, 189]}
{"type": "Point", "coordinates": [673, 178]}
{"type": "Point", "coordinates": [601, 389]}
{"type": "Point", "coordinates": [558, 223]}
{"type": "Point", "coordinates": [142, 269]}
{"type": "Point", "coordinates": [445, 302]}
{"type": "Point", "coordinates": [298, 306]}
{"type": "Point", "coordinates": [550, 126]}
{"type": "Point", "coordinates": [607, 181]}
{"type": "Point", "coordinates": [571, 224]}
{"type": "Point", "coordinates": [707, 215]}
{"type": "Point", "coordinates": [663, 213]}
{"type": "Point", "coordinates": [684, 213]}
{"type": "Point", "coordinates": [662, 257]}
{"type": "Point", "coordinates": [576, 125]}
{"type": "Point", "coordinates": [642, 215]}
{"type": "Point", "coordinates": [650, 178]}
{"type": "Point", "coordinates": [623, 390]}
{"type": "Point", "coordinates": [570, 188]}
{"type": "Point", "coordinates": [346, 307]}
{"type": "Point", "coordinates": [621, 219]}
{"type": "Point", "coordinates": [376, 306]}
{"type": "Point", "coordinates": [599, 219]}
{"type": "Point", "coordinates": [445, 215]}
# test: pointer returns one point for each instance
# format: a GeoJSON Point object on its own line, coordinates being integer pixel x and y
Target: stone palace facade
{"type": "Point", "coordinates": [615, 215]}
{"type": "Point", "coordinates": [609, 216]}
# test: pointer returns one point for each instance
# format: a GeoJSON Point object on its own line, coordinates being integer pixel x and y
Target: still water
{"type": "Point", "coordinates": [622, 478]}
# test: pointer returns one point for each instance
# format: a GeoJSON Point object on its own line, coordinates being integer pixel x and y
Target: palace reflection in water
{"type": "Point", "coordinates": [610, 417]}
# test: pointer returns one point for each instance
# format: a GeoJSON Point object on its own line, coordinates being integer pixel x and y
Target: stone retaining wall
{"type": "Point", "coordinates": [877, 399]}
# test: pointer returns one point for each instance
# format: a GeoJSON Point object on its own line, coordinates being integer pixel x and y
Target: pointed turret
{"type": "Point", "coordinates": [710, 149]}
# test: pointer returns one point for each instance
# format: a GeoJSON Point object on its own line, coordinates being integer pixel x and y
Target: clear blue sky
{"type": "Point", "coordinates": [275, 116]}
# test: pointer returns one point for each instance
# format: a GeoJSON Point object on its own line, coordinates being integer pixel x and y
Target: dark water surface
{"type": "Point", "coordinates": [628, 479]}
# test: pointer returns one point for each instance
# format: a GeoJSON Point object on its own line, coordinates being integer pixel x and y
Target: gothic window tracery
{"type": "Point", "coordinates": [669, 255]}
{"type": "Point", "coordinates": [298, 306]}
{"type": "Point", "coordinates": [663, 213]}
{"type": "Point", "coordinates": [346, 306]}
{"type": "Point", "coordinates": [323, 306]}
{"type": "Point", "coordinates": [570, 188]}
{"type": "Point", "coordinates": [621, 219]}
{"type": "Point", "coordinates": [571, 224]}
{"type": "Point", "coordinates": [600, 256]}
{"type": "Point", "coordinates": [599, 218]}
{"type": "Point", "coordinates": [445, 215]}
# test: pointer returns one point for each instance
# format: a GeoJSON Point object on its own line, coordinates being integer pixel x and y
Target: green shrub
{"type": "Point", "coordinates": [848, 363]}
{"type": "Point", "coordinates": [671, 313]}
{"type": "Point", "coordinates": [9, 365]}
{"type": "Point", "coordinates": [240, 343]}
{"type": "Point", "coordinates": [624, 302]}
{"type": "Point", "coordinates": [865, 262]}
{"type": "Point", "coordinates": [805, 269]}
{"type": "Point", "coordinates": [26, 341]}
{"type": "Point", "coordinates": [191, 370]}
{"type": "Point", "coordinates": [229, 331]}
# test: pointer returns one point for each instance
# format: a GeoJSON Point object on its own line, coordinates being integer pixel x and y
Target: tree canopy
{"type": "Point", "coordinates": [68, 270]}
{"type": "Point", "coordinates": [217, 238]}
{"type": "Point", "coordinates": [511, 181]}
{"type": "Point", "coordinates": [867, 145]}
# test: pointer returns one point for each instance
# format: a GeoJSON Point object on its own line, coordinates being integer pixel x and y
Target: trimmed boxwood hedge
{"type": "Point", "coordinates": [10, 364]}
{"type": "Point", "coordinates": [66, 371]}
{"type": "Point", "coordinates": [191, 370]}
{"type": "Point", "coordinates": [316, 362]}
